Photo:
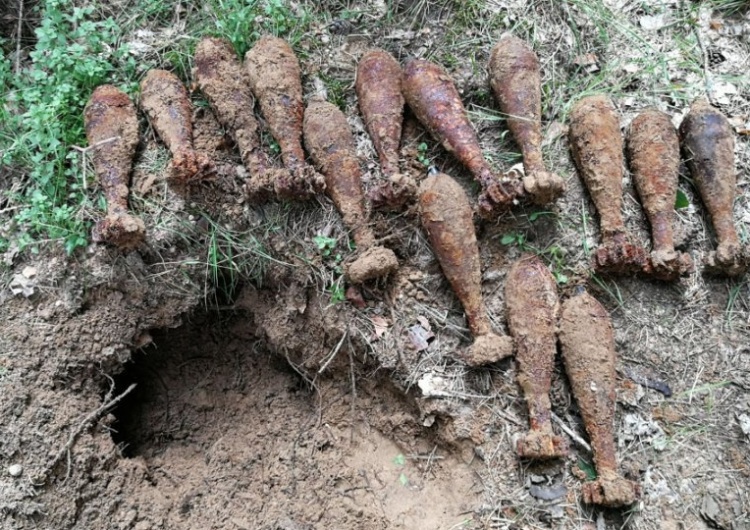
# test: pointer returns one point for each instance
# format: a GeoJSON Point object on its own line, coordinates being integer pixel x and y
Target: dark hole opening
{"type": "Point", "coordinates": [186, 378]}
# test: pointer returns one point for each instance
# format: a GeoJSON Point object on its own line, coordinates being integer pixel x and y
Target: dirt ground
{"type": "Point", "coordinates": [270, 395]}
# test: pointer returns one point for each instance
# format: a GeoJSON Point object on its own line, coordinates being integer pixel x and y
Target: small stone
{"type": "Point", "coordinates": [15, 470]}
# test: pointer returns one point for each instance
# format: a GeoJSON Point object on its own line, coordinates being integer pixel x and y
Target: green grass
{"type": "Point", "coordinates": [233, 257]}
{"type": "Point", "coordinates": [75, 51]}
{"type": "Point", "coordinates": [43, 119]}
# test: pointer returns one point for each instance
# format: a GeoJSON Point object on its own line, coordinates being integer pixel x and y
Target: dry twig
{"type": "Point", "coordinates": [93, 416]}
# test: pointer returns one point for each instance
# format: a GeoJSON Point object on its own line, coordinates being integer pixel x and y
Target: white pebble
{"type": "Point", "coordinates": [15, 470]}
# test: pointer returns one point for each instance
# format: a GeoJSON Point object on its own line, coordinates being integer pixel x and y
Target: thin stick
{"type": "Point", "coordinates": [84, 151]}
{"type": "Point", "coordinates": [570, 432]}
{"type": "Point", "coordinates": [81, 426]}
{"type": "Point", "coordinates": [333, 353]}
{"type": "Point", "coordinates": [19, 34]}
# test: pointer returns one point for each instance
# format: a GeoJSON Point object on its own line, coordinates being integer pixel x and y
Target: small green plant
{"type": "Point", "coordinates": [75, 51]}
{"type": "Point", "coordinates": [336, 292]}
{"type": "Point", "coordinates": [242, 22]}
{"type": "Point", "coordinates": [337, 90]}
{"type": "Point", "coordinates": [233, 258]}
{"type": "Point", "coordinates": [326, 245]}
{"type": "Point", "coordinates": [681, 200]}
{"type": "Point", "coordinates": [327, 248]}
{"type": "Point", "coordinates": [422, 154]}
{"type": "Point", "coordinates": [514, 238]}
{"type": "Point", "coordinates": [588, 468]}
{"type": "Point", "coordinates": [556, 256]}
{"type": "Point", "coordinates": [400, 461]}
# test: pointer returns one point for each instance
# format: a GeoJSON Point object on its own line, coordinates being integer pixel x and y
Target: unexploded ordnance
{"type": "Point", "coordinates": [331, 145]}
{"type": "Point", "coordinates": [219, 75]}
{"type": "Point", "coordinates": [447, 217]}
{"type": "Point", "coordinates": [588, 350]}
{"type": "Point", "coordinates": [381, 103]}
{"type": "Point", "coordinates": [532, 305]}
{"type": "Point", "coordinates": [276, 80]}
{"type": "Point", "coordinates": [516, 82]}
{"type": "Point", "coordinates": [433, 98]}
{"type": "Point", "coordinates": [597, 147]}
{"type": "Point", "coordinates": [708, 146]}
{"type": "Point", "coordinates": [654, 155]}
{"type": "Point", "coordinates": [166, 102]}
{"type": "Point", "coordinates": [111, 127]}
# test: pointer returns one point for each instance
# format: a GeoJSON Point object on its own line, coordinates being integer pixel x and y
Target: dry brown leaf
{"type": "Point", "coordinates": [381, 325]}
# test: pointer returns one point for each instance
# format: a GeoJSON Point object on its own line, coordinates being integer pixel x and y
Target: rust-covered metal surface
{"type": "Point", "coordinates": [532, 305]}
{"type": "Point", "coordinates": [447, 217]}
{"type": "Point", "coordinates": [275, 78]}
{"type": "Point", "coordinates": [219, 76]}
{"type": "Point", "coordinates": [597, 147]}
{"type": "Point", "coordinates": [708, 146]}
{"type": "Point", "coordinates": [331, 145]}
{"type": "Point", "coordinates": [111, 127]}
{"type": "Point", "coordinates": [654, 156]}
{"type": "Point", "coordinates": [588, 350]}
{"type": "Point", "coordinates": [381, 102]}
{"type": "Point", "coordinates": [516, 82]}
{"type": "Point", "coordinates": [432, 96]}
{"type": "Point", "coordinates": [166, 102]}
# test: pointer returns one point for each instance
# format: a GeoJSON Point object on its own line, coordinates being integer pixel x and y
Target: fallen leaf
{"type": "Point", "coordinates": [381, 325]}
{"type": "Point", "coordinates": [401, 34]}
{"type": "Point", "coordinates": [740, 124]}
{"type": "Point", "coordinates": [588, 62]}
{"type": "Point", "coordinates": [548, 493]}
{"type": "Point", "coordinates": [744, 420]}
{"type": "Point", "coordinates": [433, 385]}
{"type": "Point", "coordinates": [424, 323]}
{"type": "Point", "coordinates": [723, 92]}
{"type": "Point", "coordinates": [144, 185]}
{"type": "Point", "coordinates": [555, 130]}
{"type": "Point", "coordinates": [22, 285]}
